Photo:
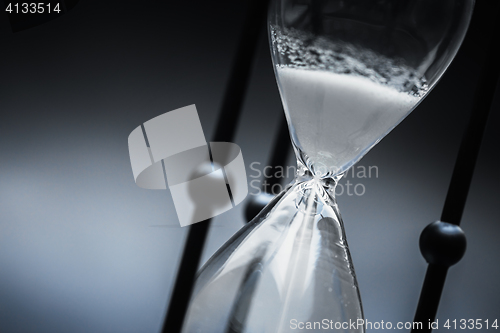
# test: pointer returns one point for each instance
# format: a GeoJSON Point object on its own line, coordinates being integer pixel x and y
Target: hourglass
{"type": "Point", "coordinates": [348, 72]}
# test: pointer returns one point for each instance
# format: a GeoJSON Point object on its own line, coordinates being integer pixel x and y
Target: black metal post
{"type": "Point", "coordinates": [279, 154]}
{"type": "Point", "coordinates": [226, 127]}
{"type": "Point", "coordinates": [443, 243]}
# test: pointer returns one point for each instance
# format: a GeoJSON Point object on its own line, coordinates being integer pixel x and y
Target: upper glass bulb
{"type": "Point", "coordinates": [350, 70]}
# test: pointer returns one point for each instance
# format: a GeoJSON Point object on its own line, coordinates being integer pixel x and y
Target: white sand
{"type": "Point", "coordinates": [337, 117]}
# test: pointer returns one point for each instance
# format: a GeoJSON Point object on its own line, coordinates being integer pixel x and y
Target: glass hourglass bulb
{"type": "Point", "coordinates": [348, 72]}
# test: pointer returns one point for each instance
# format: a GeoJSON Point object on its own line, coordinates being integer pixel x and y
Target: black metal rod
{"type": "Point", "coordinates": [277, 159]}
{"type": "Point", "coordinates": [471, 142]}
{"type": "Point", "coordinates": [225, 130]}
{"type": "Point", "coordinates": [279, 154]}
{"type": "Point", "coordinates": [241, 69]}
{"type": "Point", "coordinates": [429, 297]}
{"type": "Point", "coordinates": [462, 175]}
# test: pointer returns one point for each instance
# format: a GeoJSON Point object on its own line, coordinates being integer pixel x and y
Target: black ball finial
{"type": "Point", "coordinates": [443, 243]}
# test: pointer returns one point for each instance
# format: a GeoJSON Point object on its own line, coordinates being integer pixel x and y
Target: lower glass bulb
{"type": "Point", "coordinates": [287, 269]}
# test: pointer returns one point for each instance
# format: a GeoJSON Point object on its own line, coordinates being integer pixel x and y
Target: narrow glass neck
{"type": "Point", "coordinates": [322, 184]}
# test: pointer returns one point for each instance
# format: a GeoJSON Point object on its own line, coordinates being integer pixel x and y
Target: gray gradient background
{"type": "Point", "coordinates": [83, 249]}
